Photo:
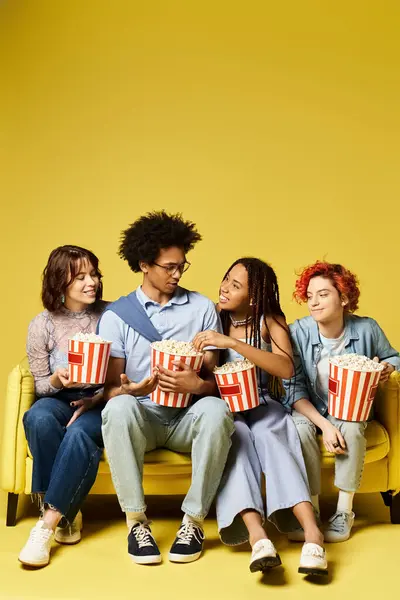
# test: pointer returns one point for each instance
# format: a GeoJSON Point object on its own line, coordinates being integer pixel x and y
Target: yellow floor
{"type": "Point", "coordinates": [367, 566]}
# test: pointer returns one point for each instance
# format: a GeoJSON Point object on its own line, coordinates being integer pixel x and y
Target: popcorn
{"type": "Point", "coordinates": [176, 348]}
{"type": "Point", "coordinates": [237, 384]}
{"type": "Point", "coordinates": [353, 381]}
{"type": "Point", "coordinates": [88, 337]}
{"type": "Point", "coordinates": [164, 354]}
{"type": "Point", "coordinates": [356, 362]}
{"type": "Point", "coordinates": [235, 366]}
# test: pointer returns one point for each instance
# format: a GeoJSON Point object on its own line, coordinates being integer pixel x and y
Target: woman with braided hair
{"type": "Point", "coordinates": [265, 440]}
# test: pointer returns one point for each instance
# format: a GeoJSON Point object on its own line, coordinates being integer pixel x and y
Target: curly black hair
{"type": "Point", "coordinates": [152, 232]}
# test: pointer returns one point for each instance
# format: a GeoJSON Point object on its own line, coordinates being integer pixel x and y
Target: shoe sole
{"type": "Point", "coordinates": [183, 558]}
{"type": "Point", "coordinates": [312, 571]}
{"type": "Point", "coordinates": [34, 564]}
{"type": "Point", "coordinates": [71, 540]}
{"type": "Point", "coordinates": [146, 560]}
{"type": "Point", "coordinates": [265, 564]}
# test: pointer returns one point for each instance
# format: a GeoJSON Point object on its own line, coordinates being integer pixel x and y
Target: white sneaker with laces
{"type": "Point", "coordinates": [264, 556]}
{"type": "Point", "coordinates": [339, 527]}
{"type": "Point", "coordinates": [36, 552]}
{"type": "Point", "coordinates": [313, 560]}
{"type": "Point", "coordinates": [70, 534]}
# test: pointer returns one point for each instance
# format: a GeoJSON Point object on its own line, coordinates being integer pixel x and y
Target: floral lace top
{"type": "Point", "coordinates": [47, 343]}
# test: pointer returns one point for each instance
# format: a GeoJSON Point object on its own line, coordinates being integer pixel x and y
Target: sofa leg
{"type": "Point", "coordinates": [395, 509]}
{"type": "Point", "coordinates": [12, 505]}
{"type": "Point", "coordinates": [387, 498]}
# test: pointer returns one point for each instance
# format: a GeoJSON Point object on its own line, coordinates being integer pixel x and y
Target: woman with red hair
{"type": "Point", "coordinates": [331, 292]}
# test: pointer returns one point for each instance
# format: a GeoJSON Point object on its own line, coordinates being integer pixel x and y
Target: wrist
{"type": "Point", "coordinates": [56, 382]}
{"type": "Point", "coordinates": [233, 343]}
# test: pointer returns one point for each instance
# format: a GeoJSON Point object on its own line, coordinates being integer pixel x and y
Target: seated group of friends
{"type": "Point", "coordinates": [69, 424]}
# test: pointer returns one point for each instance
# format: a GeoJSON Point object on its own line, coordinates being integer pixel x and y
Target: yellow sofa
{"type": "Point", "coordinates": [168, 473]}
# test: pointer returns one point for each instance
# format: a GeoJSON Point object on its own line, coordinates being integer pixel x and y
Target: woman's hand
{"type": "Point", "coordinates": [211, 338]}
{"type": "Point", "coordinates": [60, 379]}
{"type": "Point", "coordinates": [83, 405]}
{"type": "Point", "coordinates": [143, 388]}
{"type": "Point", "coordinates": [333, 439]}
{"type": "Point", "coordinates": [385, 374]}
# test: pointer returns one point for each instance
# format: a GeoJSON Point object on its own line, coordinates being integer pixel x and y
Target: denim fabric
{"type": "Point", "coordinates": [65, 460]}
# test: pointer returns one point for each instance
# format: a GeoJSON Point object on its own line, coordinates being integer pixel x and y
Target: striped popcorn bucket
{"type": "Point", "coordinates": [88, 361]}
{"type": "Point", "coordinates": [165, 359]}
{"type": "Point", "coordinates": [351, 393]}
{"type": "Point", "coordinates": [239, 390]}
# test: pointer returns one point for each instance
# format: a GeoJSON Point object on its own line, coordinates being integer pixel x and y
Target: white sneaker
{"type": "Point", "coordinates": [264, 556]}
{"type": "Point", "coordinates": [313, 560]}
{"type": "Point", "coordinates": [339, 527]}
{"type": "Point", "coordinates": [36, 552]}
{"type": "Point", "coordinates": [70, 534]}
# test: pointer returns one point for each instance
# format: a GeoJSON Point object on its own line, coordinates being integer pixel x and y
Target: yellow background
{"type": "Point", "coordinates": [273, 125]}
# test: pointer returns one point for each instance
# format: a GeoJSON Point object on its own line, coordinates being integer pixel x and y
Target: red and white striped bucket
{"type": "Point", "coordinates": [239, 390]}
{"type": "Point", "coordinates": [88, 361]}
{"type": "Point", "coordinates": [165, 359]}
{"type": "Point", "coordinates": [351, 393]}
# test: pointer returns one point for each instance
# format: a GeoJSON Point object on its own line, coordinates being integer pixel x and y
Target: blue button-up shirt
{"type": "Point", "coordinates": [186, 314]}
{"type": "Point", "coordinates": [362, 336]}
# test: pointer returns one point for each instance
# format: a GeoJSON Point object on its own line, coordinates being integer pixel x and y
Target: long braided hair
{"type": "Point", "coordinates": [264, 302]}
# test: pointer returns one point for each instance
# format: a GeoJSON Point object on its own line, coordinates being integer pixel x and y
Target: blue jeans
{"type": "Point", "coordinates": [65, 460]}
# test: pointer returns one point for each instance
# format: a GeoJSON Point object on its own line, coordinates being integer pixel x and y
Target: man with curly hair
{"type": "Point", "coordinates": [331, 292]}
{"type": "Point", "coordinates": [156, 245]}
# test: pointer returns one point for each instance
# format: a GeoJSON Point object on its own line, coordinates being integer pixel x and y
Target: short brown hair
{"type": "Point", "coordinates": [62, 267]}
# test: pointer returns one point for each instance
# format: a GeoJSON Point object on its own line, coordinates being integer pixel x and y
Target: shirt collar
{"type": "Point", "coordinates": [349, 331]}
{"type": "Point", "coordinates": [180, 297]}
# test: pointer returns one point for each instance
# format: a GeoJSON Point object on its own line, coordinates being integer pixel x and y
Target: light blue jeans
{"type": "Point", "coordinates": [348, 466]}
{"type": "Point", "coordinates": [132, 427]}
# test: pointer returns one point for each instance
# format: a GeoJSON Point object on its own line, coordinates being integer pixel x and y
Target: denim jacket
{"type": "Point", "coordinates": [363, 336]}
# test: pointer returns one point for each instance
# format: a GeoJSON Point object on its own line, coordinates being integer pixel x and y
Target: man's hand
{"type": "Point", "coordinates": [184, 381]}
{"type": "Point", "coordinates": [385, 374]}
{"type": "Point", "coordinates": [333, 439]}
{"type": "Point", "coordinates": [143, 388]}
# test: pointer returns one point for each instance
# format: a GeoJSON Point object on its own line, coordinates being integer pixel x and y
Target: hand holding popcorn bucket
{"type": "Point", "coordinates": [353, 381]}
{"type": "Point", "coordinates": [237, 384]}
{"type": "Point", "coordinates": [88, 356]}
{"type": "Point", "coordinates": [164, 353]}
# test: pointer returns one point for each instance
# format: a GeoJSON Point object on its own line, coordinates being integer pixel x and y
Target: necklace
{"type": "Point", "coordinates": [235, 323]}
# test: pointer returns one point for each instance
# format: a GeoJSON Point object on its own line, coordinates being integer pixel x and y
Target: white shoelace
{"type": "Point", "coordinates": [142, 535]}
{"type": "Point", "coordinates": [40, 535]}
{"type": "Point", "coordinates": [313, 550]}
{"type": "Point", "coordinates": [188, 531]}
{"type": "Point", "coordinates": [339, 522]}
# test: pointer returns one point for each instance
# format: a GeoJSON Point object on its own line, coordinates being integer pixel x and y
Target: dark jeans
{"type": "Point", "coordinates": [65, 460]}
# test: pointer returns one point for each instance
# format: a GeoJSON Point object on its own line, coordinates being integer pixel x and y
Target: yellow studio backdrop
{"type": "Point", "coordinates": [273, 125]}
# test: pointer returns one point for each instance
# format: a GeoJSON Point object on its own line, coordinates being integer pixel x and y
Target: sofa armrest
{"type": "Point", "coordinates": [20, 395]}
{"type": "Point", "coordinates": [387, 412]}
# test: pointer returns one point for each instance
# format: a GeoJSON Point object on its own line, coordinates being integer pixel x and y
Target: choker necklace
{"type": "Point", "coordinates": [235, 323]}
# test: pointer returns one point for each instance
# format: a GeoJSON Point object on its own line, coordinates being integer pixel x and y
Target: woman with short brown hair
{"type": "Point", "coordinates": [63, 435]}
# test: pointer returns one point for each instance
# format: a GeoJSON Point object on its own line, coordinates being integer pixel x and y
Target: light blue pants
{"type": "Point", "coordinates": [348, 466]}
{"type": "Point", "coordinates": [132, 427]}
{"type": "Point", "coordinates": [265, 441]}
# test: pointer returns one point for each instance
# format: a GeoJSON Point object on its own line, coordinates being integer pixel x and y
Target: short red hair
{"type": "Point", "coordinates": [344, 281]}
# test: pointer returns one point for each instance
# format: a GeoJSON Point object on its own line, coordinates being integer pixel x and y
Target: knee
{"type": "Point", "coordinates": [353, 432]}
{"type": "Point", "coordinates": [37, 420]}
{"type": "Point", "coordinates": [120, 410]}
{"type": "Point", "coordinates": [215, 415]}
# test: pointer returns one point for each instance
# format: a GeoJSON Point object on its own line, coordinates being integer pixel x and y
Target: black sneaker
{"type": "Point", "coordinates": [188, 544]}
{"type": "Point", "coordinates": [142, 546]}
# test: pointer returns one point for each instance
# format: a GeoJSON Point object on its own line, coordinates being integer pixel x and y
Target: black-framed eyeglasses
{"type": "Point", "coordinates": [172, 269]}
